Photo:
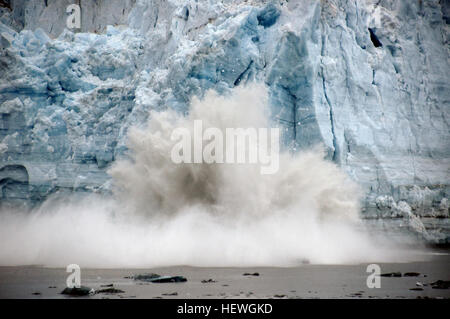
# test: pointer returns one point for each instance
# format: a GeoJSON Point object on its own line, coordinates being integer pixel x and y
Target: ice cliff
{"type": "Point", "coordinates": [368, 79]}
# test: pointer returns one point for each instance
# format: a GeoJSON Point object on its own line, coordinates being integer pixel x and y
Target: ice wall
{"type": "Point", "coordinates": [368, 79]}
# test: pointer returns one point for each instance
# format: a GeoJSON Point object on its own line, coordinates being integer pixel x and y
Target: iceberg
{"type": "Point", "coordinates": [367, 79]}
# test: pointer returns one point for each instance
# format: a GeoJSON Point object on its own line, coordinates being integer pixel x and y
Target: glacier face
{"type": "Point", "coordinates": [368, 79]}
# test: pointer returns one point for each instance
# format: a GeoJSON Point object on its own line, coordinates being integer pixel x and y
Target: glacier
{"type": "Point", "coordinates": [367, 79]}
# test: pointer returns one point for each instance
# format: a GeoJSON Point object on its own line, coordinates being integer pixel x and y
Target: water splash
{"type": "Point", "coordinates": [164, 213]}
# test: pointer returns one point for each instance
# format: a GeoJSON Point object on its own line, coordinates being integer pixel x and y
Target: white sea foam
{"type": "Point", "coordinates": [164, 213]}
